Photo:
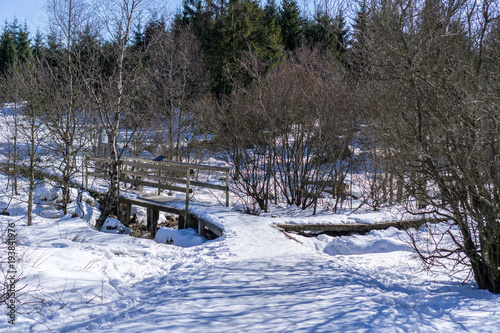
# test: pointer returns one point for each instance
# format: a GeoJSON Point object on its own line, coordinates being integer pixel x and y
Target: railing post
{"type": "Point", "coordinates": [159, 181]}
{"type": "Point", "coordinates": [188, 179]}
{"type": "Point", "coordinates": [227, 188]}
{"type": "Point", "coordinates": [86, 163]}
{"type": "Point", "coordinates": [118, 168]}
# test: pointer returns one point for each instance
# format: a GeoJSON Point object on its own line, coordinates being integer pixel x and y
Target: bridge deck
{"type": "Point", "coordinates": [159, 203]}
{"type": "Point", "coordinates": [357, 227]}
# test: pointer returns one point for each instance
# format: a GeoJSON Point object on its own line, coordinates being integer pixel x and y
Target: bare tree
{"type": "Point", "coordinates": [11, 129]}
{"type": "Point", "coordinates": [288, 131]}
{"type": "Point", "coordinates": [24, 81]}
{"type": "Point", "coordinates": [113, 89]}
{"type": "Point", "coordinates": [436, 103]}
{"type": "Point", "coordinates": [178, 79]}
{"type": "Point", "coordinates": [64, 89]}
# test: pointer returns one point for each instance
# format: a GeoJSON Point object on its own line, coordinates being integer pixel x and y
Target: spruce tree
{"type": "Point", "coordinates": [228, 29]}
{"type": "Point", "coordinates": [341, 36]}
{"type": "Point", "coordinates": [8, 52]}
{"type": "Point", "coordinates": [22, 42]}
{"type": "Point", "coordinates": [291, 25]}
{"type": "Point", "coordinates": [359, 53]}
{"type": "Point", "coordinates": [320, 30]}
{"type": "Point", "coordinates": [37, 49]}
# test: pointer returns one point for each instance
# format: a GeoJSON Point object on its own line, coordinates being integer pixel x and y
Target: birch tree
{"type": "Point", "coordinates": [113, 88]}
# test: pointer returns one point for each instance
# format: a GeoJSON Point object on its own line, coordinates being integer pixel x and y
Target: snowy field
{"type": "Point", "coordinates": [253, 279]}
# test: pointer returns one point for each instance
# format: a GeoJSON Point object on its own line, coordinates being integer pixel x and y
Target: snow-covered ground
{"type": "Point", "coordinates": [253, 279]}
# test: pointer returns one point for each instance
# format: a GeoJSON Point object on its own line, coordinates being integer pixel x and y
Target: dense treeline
{"type": "Point", "coordinates": [400, 95]}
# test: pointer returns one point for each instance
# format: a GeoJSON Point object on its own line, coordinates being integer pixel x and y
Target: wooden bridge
{"type": "Point", "coordinates": [165, 173]}
{"type": "Point", "coordinates": [160, 175]}
{"type": "Point", "coordinates": [358, 228]}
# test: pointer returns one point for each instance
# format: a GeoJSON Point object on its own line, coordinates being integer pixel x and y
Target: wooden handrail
{"type": "Point", "coordinates": [185, 169]}
{"type": "Point", "coordinates": [180, 164]}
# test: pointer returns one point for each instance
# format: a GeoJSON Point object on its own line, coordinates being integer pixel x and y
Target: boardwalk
{"type": "Point", "coordinates": [354, 227]}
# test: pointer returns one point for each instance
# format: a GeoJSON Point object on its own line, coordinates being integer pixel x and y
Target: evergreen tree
{"type": "Point", "coordinates": [22, 42]}
{"type": "Point", "coordinates": [328, 34]}
{"type": "Point", "coordinates": [341, 36]}
{"type": "Point", "coordinates": [153, 28]}
{"type": "Point", "coordinates": [291, 25]}
{"type": "Point", "coordinates": [359, 53]}
{"type": "Point", "coordinates": [271, 12]}
{"type": "Point", "coordinates": [228, 29]}
{"type": "Point", "coordinates": [320, 30]}
{"type": "Point", "coordinates": [87, 49]}
{"type": "Point", "coordinates": [138, 40]}
{"type": "Point", "coordinates": [54, 49]}
{"type": "Point", "coordinates": [144, 37]}
{"type": "Point", "coordinates": [8, 52]}
{"type": "Point", "coordinates": [37, 49]}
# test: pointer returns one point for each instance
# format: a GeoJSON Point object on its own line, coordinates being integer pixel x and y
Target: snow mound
{"type": "Point", "coordinates": [181, 238]}
{"type": "Point", "coordinates": [376, 241]}
{"type": "Point", "coordinates": [115, 227]}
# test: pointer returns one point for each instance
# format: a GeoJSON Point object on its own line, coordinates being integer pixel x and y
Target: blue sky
{"type": "Point", "coordinates": [31, 11]}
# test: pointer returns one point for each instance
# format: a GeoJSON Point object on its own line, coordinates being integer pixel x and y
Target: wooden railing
{"type": "Point", "coordinates": [162, 175]}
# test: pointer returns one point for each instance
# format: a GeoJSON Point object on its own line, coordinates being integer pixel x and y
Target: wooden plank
{"type": "Point", "coordinates": [98, 175]}
{"type": "Point", "coordinates": [160, 203]}
{"type": "Point", "coordinates": [227, 188]}
{"type": "Point", "coordinates": [155, 166]}
{"type": "Point", "coordinates": [201, 227]}
{"type": "Point", "coordinates": [186, 217]}
{"type": "Point", "coordinates": [181, 224]}
{"type": "Point", "coordinates": [100, 159]}
{"type": "Point", "coordinates": [182, 165]}
{"type": "Point", "coordinates": [123, 217]}
{"type": "Point", "coordinates": [156, 185]}
{"type": "Point", "coordinates": [358, 227]}
{"type": "Point", "coordinates": [145, 175]}
{"type": "Point", "coordinates": [149, 218]}
{"type": "Point", "coordinates": [213, 228]}
{"type": "Point", "coordinates": [175, 180]}
{"type": "Point", "coordinates": [208, 185]}
{"type": "Point", "coordinates": [154, 204]}
{"type": "Point", "coordinates": [155, 216]}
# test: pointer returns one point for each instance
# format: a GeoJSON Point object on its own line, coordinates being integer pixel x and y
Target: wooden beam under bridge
{"type": "Point", "coordinates": [157, 203]}
{"type": "Point", "coordinates": [360, 228]}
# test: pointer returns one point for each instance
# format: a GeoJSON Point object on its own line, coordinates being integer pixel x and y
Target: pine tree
{"type": "Point", "coordinates": [271, 12]}
{"type": "Point", "coordinates": [228, 29]}
{"type": "Point", "coordinates": [8, 52]}
{"type": "Point", "coordinates": [138, 40]}
{"type": "Point", "coordinates": [87, 49]}
{"type": "Point", "coordinates": [152, 29]}
{"type": "Point", "coordinates": [291, 25]}
{"type": "Point", "coordinates": [22, 42]}
{"type": "Point", "coordinates": [37, 49]}
{"type": "Point", "coordinates": [328, 34]}
{"type": "Point", "coordinates": [320, 30]}
{"type": "Point", "coordinates": [359, 53]}
{"type": "Point", "coordinates": [341, 36]}
{"type": "Point", "coordinates": [53, 49]}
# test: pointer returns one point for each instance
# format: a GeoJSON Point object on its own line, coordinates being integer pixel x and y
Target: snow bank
{"type": "Point", "coordinates": [376, 241]}
{"type": "Point", "coordinates": [182, 238]}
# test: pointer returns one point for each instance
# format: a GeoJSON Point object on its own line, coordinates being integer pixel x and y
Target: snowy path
{"type": "Point", "coordinates": [254, 279]}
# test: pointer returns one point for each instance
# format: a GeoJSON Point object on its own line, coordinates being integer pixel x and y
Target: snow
{"type": "Point", "coordinates": [182, 238]}
{"type": "Point", "coordinates": [252, 279]}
